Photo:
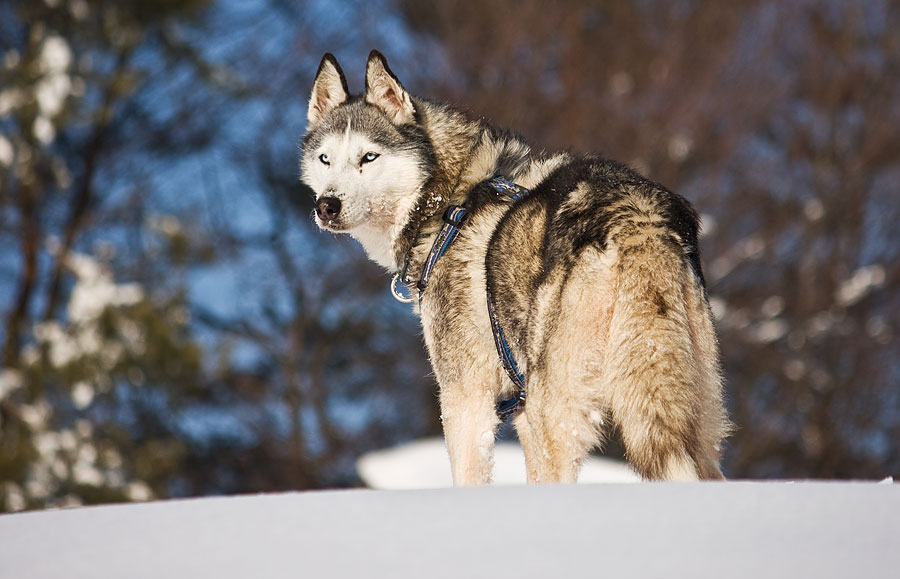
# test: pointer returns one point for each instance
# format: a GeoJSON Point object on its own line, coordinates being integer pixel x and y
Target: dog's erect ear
{"type": "Point", "coordinates": [385, 91]}
{"type": "Point", "coordinates": [329, 89]}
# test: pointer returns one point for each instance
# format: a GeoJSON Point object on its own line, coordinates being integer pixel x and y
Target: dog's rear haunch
{"type": "Point", "coordinates": [594, 280]}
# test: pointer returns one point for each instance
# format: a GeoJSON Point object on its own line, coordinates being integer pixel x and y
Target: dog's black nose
{"type": "Point", "coordinates": [328, 208]}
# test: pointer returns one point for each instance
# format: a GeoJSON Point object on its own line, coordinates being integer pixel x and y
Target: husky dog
{"type": "Point", "coordinates": [590, 279]}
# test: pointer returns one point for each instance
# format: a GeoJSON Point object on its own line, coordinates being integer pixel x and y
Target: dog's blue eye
{"type": "Point", "coordinates": [369, 157]}
{"type": "Point", "coordinates": [324, 158]}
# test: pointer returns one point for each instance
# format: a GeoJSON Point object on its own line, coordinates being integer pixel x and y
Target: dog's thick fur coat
{"type": "Point", "coordinates": [595, 275]}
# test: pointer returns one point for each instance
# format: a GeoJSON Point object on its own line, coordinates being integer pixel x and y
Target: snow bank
{"type": "Point", "coordinates": [693, 530]}
{"type": "Point", "coordinates": [423, 464]}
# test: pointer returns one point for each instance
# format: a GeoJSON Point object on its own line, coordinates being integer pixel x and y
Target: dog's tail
{"type": "Point", "coordinates": [662, 364]}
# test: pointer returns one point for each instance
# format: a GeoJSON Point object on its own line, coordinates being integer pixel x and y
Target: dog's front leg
{"type": "Point", "coordinates": [470, 425]}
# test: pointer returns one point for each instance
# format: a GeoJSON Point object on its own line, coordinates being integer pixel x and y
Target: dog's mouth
{"type": "Point", "coordinates": [333, 225]}
{"type": "Point", "coordinates": [329, 225]}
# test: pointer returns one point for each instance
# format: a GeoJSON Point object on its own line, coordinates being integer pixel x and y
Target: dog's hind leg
{"type": "Point", "coordinates": [529, 446]}
{"type": "Point", "coordinates": [557, 439]}
{"type": "Point", "coordinates": [563, 414]}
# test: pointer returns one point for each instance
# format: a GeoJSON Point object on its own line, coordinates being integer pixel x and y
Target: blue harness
{"type": "Point", "coordinates": [453, 220]}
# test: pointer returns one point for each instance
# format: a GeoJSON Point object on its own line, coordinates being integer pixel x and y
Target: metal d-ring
{"type": "Point", "coordinates": [395, 291]}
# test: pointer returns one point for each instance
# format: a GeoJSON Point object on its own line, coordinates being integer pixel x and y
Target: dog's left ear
{"type": "Point", "coordinates": [385, 91]}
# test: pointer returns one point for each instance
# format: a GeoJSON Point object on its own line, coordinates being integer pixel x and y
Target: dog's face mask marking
{"type": "Point", "coordinates": [364, 173]}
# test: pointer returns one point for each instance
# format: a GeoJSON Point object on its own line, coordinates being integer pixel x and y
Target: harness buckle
{"type": "Point", "coordinates": [455, 215]}
{"type": "Point", "coordinates": [511, 406]}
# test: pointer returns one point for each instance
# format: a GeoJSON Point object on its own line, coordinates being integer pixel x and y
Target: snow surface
{"type": "Point", "coordinates": [424, 464]}
{"type": "Point", "coordinates": [696, 530]}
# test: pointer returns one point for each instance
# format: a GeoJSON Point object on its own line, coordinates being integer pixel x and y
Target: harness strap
{"type": "Point", "coordinates": [507, 187]}
{"type": "Point", "coordinates": [515, 403]}
{"type": "Point", "coordinates": [453, 221]}
{"type": "Point", "coordinates": [512, 405]}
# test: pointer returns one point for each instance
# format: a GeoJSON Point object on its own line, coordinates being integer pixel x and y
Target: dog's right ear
{"type": "Point", "coordinates": [329, 89]}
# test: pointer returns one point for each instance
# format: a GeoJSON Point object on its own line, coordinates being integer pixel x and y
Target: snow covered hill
{"type": "Point", "coordinates": [692, 530]}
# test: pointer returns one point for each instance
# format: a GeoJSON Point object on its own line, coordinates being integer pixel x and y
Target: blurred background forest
{"type": "Point", "coordinates": [172, 323]}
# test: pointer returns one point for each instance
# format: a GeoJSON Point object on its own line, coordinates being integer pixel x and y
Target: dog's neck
{"type": "Point", "coordinates": [471, 153]}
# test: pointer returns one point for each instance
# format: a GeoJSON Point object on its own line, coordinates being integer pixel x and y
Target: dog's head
{"type": "Point", "coordinates": [366, 157]}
